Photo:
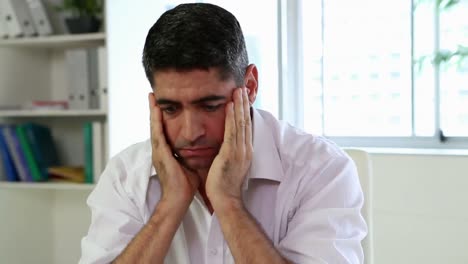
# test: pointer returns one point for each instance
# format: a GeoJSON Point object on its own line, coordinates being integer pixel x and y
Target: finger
{"type": "Point", "coordinates": [155, 116]}
{"type": "Point", "coordinates": [239, 114]}
{"type": "Point", "coordinates": [229, 128]}
{"type": "Point", "coordinates": [157, 134]}
{"type": "Point", "coordinates": [151, 103]}
{"type": "Point", "coordinates": [248, 123]}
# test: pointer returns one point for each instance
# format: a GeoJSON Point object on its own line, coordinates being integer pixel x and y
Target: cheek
{"type": "Point", "coordinates": [170, 131]}
{"type": "Point", "coordinates": [215, 127]}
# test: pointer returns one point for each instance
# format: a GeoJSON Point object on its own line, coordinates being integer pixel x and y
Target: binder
{"type": "Point", "coordinates": [102, 78]}
{"type": "Point", "coordinates": [3, 25]}
{"type": "Point", "coordinates": [93, 73]}
{"type": "Point", "coordinates": [98, 150]}
{"type": "Point", "coordinates": [8, 169]}
{"type": "Point", "coordinates": [19, 18]}
{"type": "Point", "coordinates": [18, 157]}
{"type": "Point", "coordinates": [88, 146]}
{"type": "Point", "coordinates": [78, 78]}
{"type": "Point", "coordinates": [43, 146]}
{"type": "Point", "coordinates": [36, 173]}
{"type": "Point", "coordinates": [105, 144]}
{"type": "Point", "coordinates": [39, 17]}
{"type": "Point", "coordinates": [83, 79]}
{"type": "Point", "coordinates": [2, 171]}
{"type": "Point", "coordinates": [10, 22]}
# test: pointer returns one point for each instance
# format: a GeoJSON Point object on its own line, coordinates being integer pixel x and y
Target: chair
{"type": "Point", "coordinates": [364, 167]}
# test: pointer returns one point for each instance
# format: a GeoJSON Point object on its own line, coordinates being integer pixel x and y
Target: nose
{"type": "Point", "coordinates": [193, 127]}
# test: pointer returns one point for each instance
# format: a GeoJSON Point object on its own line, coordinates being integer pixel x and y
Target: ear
{"type": "Point", "coordinates": [251, 82]}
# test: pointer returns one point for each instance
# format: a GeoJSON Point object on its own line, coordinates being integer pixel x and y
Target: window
{"type": "Point", "coordinates": [453, 34]}
{"type": "Point", "coordinates": [380, 70]}
{"type": "Point", "coordinates": [365, 78]}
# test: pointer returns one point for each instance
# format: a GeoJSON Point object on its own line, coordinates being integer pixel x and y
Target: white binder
{"type": "Point", "coordinates": [93, 74]}
{"type": "Point", "coordinates": [3, 25]}
{"type": "Point", "coordinates": [102, 78]}
{"type": "Point", "coordinates": [78, 78]}
{"type": "Point", "coordinates": [83, 76]}
{"type": "Point", "coordinates": [98, 150]}
{"type": "Point", "coordinates": [18, 17]}
{"type": "Point", "coordinates": [39, 17]}
{"type": "Point", "coordinates": [9, 20]}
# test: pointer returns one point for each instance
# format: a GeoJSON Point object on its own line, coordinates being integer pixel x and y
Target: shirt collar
{"type": "Point", "coordinates": [266, 163]}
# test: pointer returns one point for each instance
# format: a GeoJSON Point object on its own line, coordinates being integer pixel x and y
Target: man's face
{"type": "Point", "coordinates": [193, 112]}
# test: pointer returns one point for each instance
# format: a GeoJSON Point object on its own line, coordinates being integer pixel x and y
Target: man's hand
{"type": "Point", "coordinates": [229, 168]}
{"type": "Point", "coordinates": [178, 184]}
{"type": "Point", "coordinates": [244, 236]}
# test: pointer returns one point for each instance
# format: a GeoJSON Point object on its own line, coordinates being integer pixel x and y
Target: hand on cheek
{"type": "Point", "coordinates": [178, 183]}
{"type": "Point", "coordinates": [229, 168]}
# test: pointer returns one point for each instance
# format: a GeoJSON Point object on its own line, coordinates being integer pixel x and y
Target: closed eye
{"type": "Point", "coordinates": [170, 109]}
{"type": "Point", "coordinates": [211, 108]}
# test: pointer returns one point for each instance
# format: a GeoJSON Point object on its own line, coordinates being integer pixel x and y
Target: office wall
{"type": "Point", "coordinates": [127, 26]}
{"type": "Point", "coordinates": [420, 208]}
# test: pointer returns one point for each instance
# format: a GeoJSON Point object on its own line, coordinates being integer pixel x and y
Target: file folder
{"type": "Point", "coordinates": [3, 23]}
{"type": "Point", "coordinates": [39, 17]}
{"type": "Point", "coordinates": [18, 17]}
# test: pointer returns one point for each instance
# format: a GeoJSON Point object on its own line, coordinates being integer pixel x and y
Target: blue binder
{"type": "Point", "coordinates": [10, 170]}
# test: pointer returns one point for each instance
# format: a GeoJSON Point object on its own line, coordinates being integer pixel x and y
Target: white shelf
{"type": "Point", "coordinates": [47, 186]}
{"type": "Point", "coordinates": [52, 113]}
{"type": "Point", "coordinates": [57, 41]}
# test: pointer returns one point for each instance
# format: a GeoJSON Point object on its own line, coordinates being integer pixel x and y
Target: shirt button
{"type": "Point", "coordinates": [213, 251]}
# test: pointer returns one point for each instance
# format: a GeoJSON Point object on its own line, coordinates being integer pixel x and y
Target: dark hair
{"type": "Point", "coordinates": [196, 36]}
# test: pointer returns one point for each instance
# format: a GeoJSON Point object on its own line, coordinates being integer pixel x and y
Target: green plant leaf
{"type": "Point", "coordinates": [446, 4]}
{"type": "Point", "coordinates": [82, 7]}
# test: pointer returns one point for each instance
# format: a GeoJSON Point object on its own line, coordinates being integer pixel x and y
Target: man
{"type": "Point", "coordinates": [219, 181]}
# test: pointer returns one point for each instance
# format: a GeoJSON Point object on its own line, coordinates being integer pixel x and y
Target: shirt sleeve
{"type": "Point", "coordinates": [325, 224]}
{"type": "Point", "coordinates": [115, 219]}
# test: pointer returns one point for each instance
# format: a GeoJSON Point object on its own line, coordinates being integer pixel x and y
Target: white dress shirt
{"type": "Point", "coordinates": [303, 190]}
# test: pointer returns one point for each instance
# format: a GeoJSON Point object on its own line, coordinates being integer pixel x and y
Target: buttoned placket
{"type": "Point", "coordinates": [214, 250]}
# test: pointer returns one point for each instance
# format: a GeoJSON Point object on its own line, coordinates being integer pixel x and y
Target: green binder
{"type": "Point", "coordinates": [30, 160]}
{"type": "Point", "coordinates": [88, 147]}
{"type": "Point", "coordinates": [43, 147]}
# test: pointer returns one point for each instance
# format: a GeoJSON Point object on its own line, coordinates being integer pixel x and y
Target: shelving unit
{"type": "Point", "coordinates": [35, 69]}
{"type": "Point", "coordinates": [52, 113]}
{"type": "Point", "coordinates": [57, 41]}
{"type": "Point", "coordinates": [44, 222]}
{"type": "Point", "coordinates": [49, 186]}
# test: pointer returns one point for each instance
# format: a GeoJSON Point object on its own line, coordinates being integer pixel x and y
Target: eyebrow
{"type": "Point", "coordinates": [210, 98]}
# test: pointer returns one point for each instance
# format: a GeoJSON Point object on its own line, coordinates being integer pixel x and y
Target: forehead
{"type": "Point", "coordinates": [191, 84]}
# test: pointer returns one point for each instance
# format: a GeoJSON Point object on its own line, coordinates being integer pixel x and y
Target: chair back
{"type": "Point", "coordinates": [364, 168]}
